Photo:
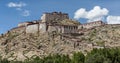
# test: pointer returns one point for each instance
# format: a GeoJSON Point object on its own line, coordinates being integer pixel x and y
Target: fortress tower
{"type": "Point", "coordinates": [54, 16]}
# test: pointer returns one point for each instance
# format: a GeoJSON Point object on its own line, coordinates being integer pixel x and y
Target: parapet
{"type": "Point", "coordinates": [59, 13]}
{"type": "Point", "coordinates": [56, 13]}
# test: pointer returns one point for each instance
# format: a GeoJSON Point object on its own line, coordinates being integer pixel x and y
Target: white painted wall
{"type": "Point", "coordinates": [42, 27]}
{"type": "Point", "coordinates": [32, 28]}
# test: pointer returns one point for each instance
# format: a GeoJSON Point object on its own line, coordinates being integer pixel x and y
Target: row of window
{"type": "Point", "coordinates": [71, 27]}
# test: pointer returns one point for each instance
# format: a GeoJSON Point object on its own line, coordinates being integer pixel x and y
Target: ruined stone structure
{"type": "Point", "coordinates": [91, 24]}
{"type": "Point", "coordinates": [56, 22]}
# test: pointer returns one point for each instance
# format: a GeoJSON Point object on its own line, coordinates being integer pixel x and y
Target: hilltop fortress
{"type": "Point", "coordinates": [55, 22]}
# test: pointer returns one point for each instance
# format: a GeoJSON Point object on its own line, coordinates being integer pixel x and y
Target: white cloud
{"type": "Point", "coordinates": [97, 13]}
{"type": "Point", "coordinates": [113, 19]}
{"type": "Point", "coordinates": [19, 7]}
{"type": "Point", "coordinates": [26, 13]}
{"type": "Point", "coordinates": [81, 13]}
{"type": "Point", "coordinates": [16, 5]}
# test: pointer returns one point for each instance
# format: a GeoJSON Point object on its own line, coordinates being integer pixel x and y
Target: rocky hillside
{"type": "Point", "coordinates": [17, 45]}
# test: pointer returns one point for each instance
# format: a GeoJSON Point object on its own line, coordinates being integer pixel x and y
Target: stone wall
{"type": "Point", "coordinates": [55, 16]}
{"type": "Point", "coordinates": [91, 24]}
{"type": "Point", "coordinates": [55, 28]}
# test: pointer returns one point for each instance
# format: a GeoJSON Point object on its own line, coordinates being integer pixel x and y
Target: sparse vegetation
{"type": "Point", "coordinates": [93, 33]}
{"type": "Point", "coordinates": [105, 55]}
{"type": "Point", "coordinates": [11, 36]}
{"type": "Point", "coordinates": [100, 43]}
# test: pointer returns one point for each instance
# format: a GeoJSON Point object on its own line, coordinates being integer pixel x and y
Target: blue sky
{"type": "Point", "coordinates": [33, 9]}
